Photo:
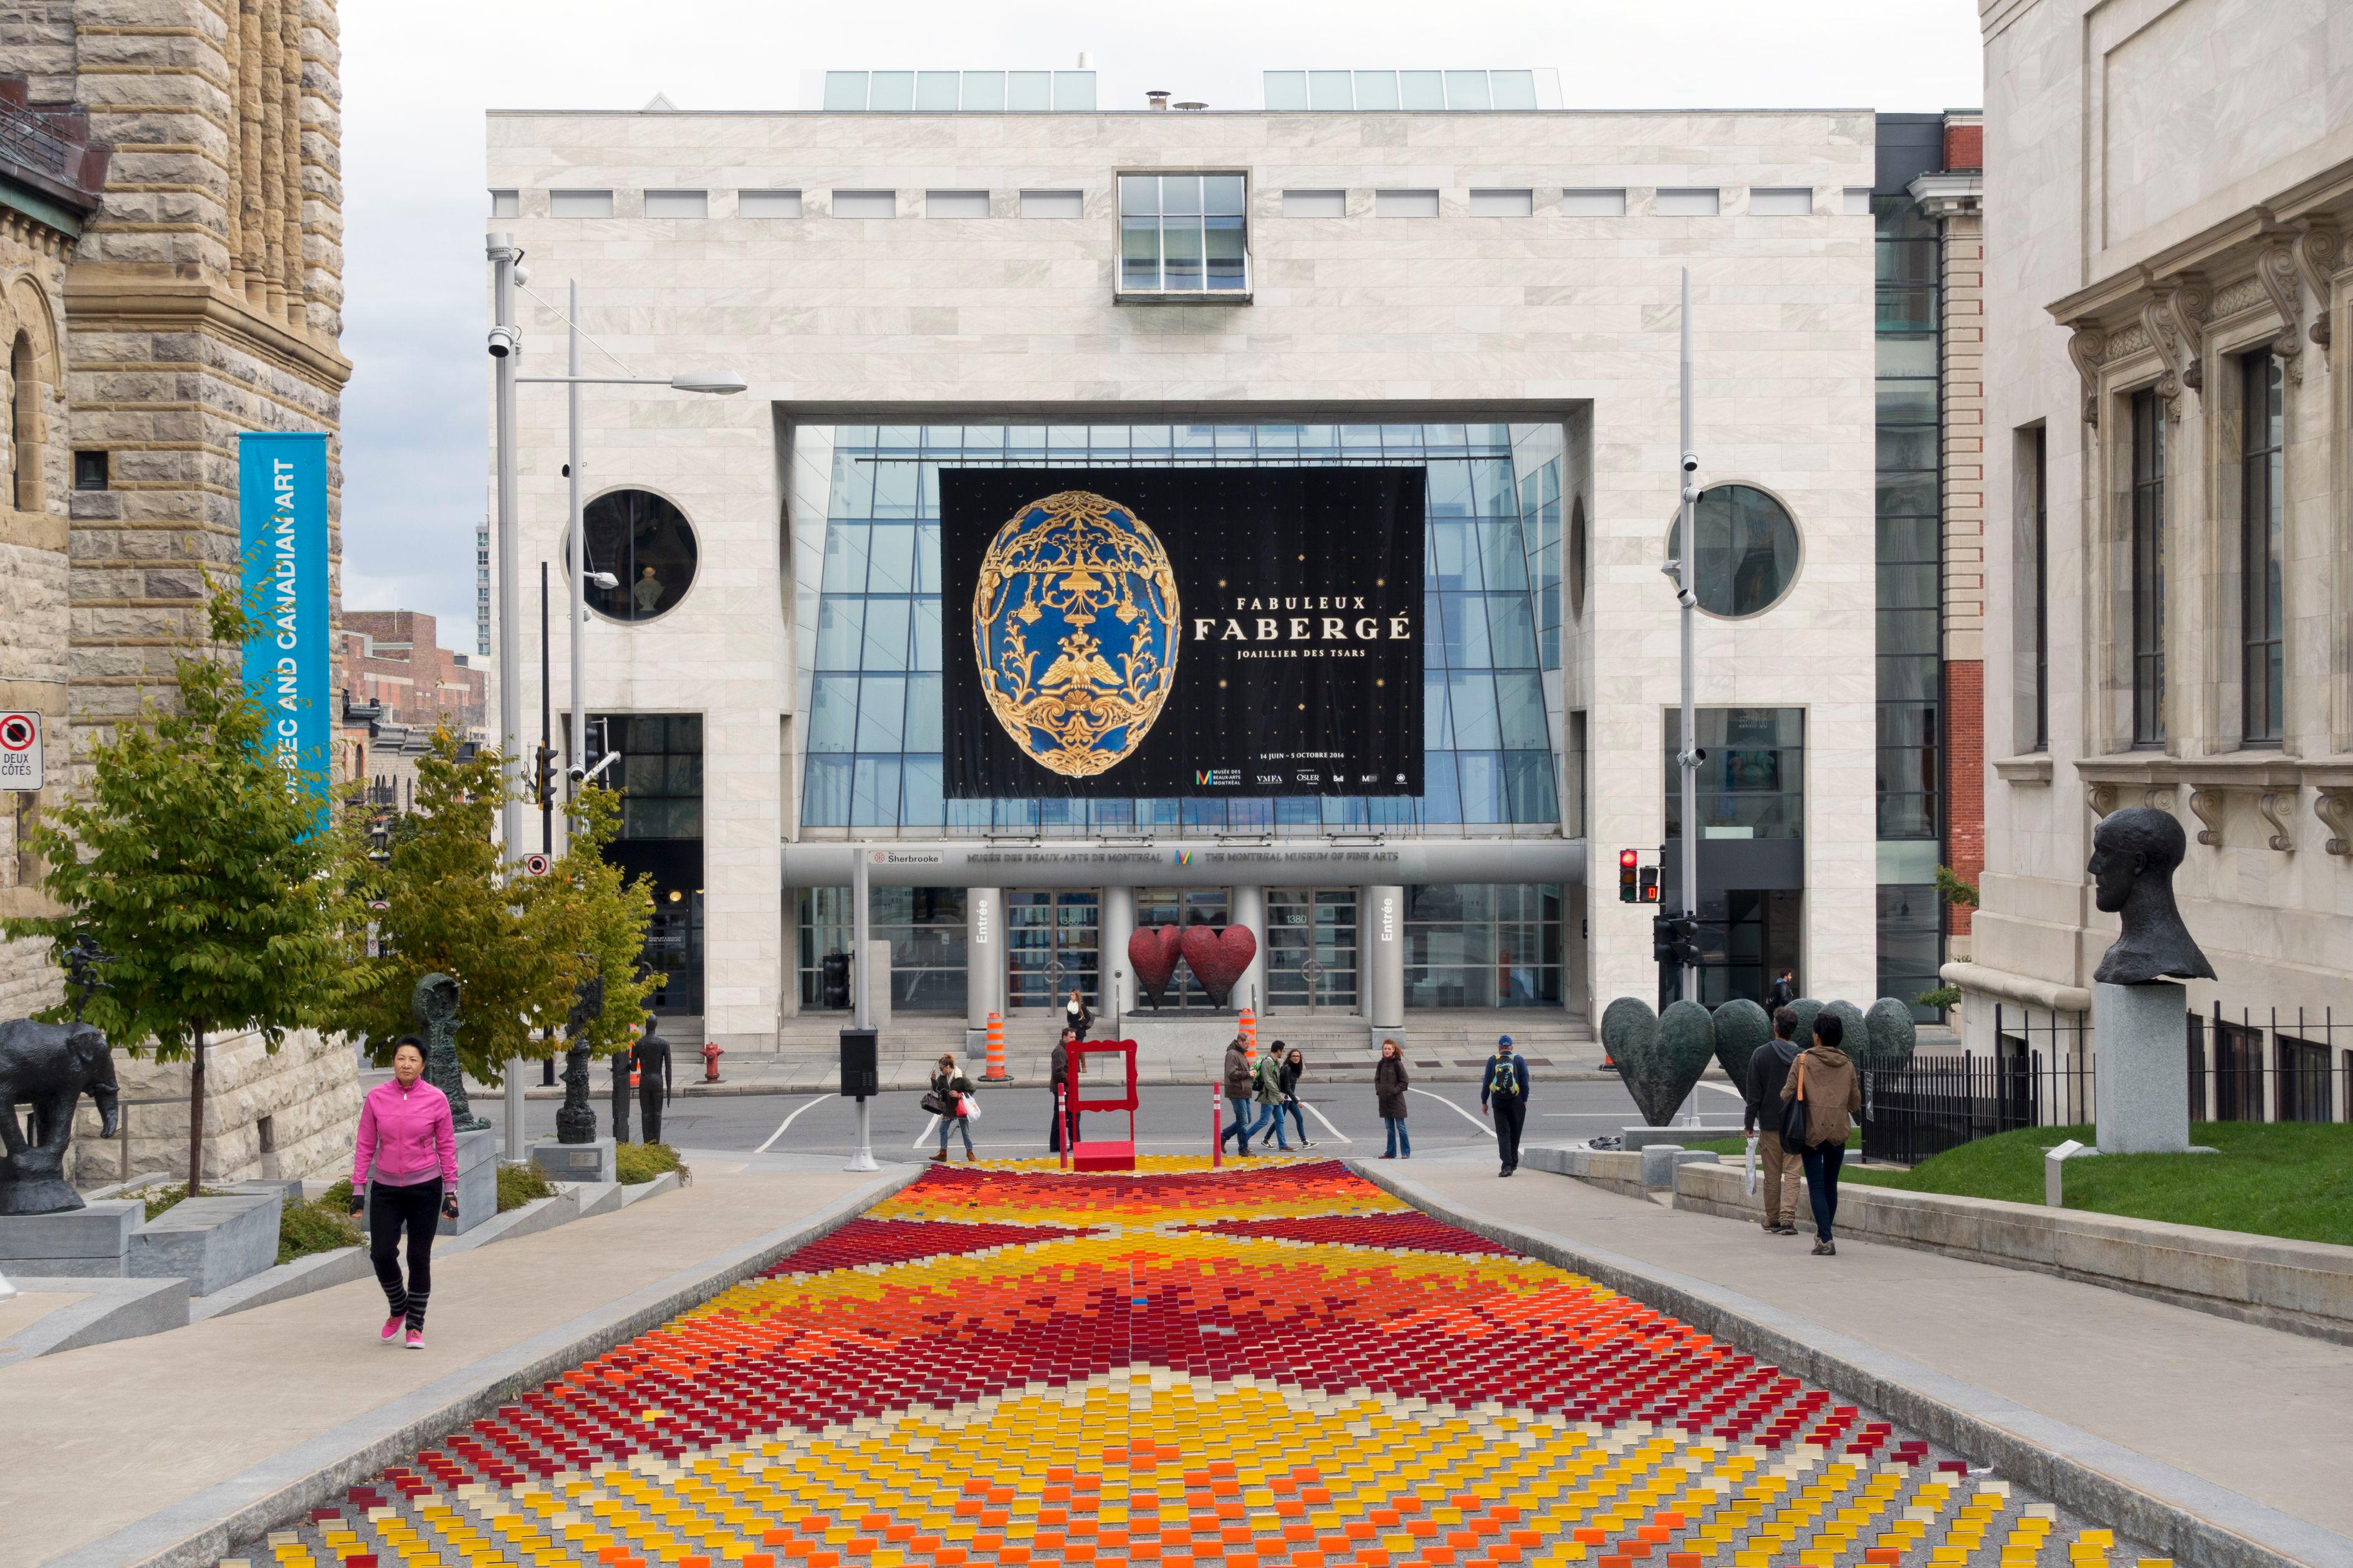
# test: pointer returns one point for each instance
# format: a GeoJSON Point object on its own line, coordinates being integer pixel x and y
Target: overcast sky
{"type": "Point", "coordinates": [418, 74]}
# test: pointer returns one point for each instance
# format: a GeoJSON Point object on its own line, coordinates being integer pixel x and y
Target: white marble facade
{"type": "Point", "coordinates": [2166, 183]}
{"type": "Point", "coordinates": [1545, 318]}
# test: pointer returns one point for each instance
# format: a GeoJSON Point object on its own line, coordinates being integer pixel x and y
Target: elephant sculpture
{"type": "Point", "coordinates": [50, 1066]}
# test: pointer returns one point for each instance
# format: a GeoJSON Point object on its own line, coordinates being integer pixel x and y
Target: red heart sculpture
{"type": "Point", "coordinates": [1152, 950]}
{"type": "Point", "coordinates": [1218, 957]}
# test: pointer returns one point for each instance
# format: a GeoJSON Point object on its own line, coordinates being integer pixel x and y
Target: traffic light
{"type": "Point", "coordinates": [1662, 938]}
{"type": "Point", "coordinates": [1685, 945]}
{"type": "Point", "coordinates": [543, 776]}
{"type": "Point", "coordinates": [1626, 893]}
{"type": "Point", "coordinates": [1649, 884]}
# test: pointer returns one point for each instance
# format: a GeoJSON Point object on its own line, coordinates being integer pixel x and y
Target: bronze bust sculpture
{"type": "Point", "coordinates": [2135, 853]}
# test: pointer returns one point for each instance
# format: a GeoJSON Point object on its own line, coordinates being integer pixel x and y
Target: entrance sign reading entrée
{"type": "Point", "coordinates": [1251, 632]}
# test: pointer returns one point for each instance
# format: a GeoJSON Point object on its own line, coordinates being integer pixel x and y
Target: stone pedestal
{"type": "Point", "coordinates": [1632, 1137]}
{"type": "Point", "coordinates": [2141, 1078]}
{"type": "Point", "coordinates": [209, 1242]}
{"type": "Point", "coordinates": [86, 1242]}
{"type": "Point", "coordinates": [590, 1161]}
{"type": "Point", "coordinates": [1198, 1030]}
{"type": "Point", "coordinates": [478, 1182]}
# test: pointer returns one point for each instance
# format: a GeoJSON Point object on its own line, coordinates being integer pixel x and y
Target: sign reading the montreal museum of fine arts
{"type": "Point", "coordinates": [283, 538]}
{"type": "Point", "coordinates": [1165, 632]}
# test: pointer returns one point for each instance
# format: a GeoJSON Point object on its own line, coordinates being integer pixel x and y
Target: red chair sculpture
{"type": "Point", "coordinates": [1099, 1153]}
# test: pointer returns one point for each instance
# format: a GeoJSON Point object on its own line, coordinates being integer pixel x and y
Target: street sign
{"type": "Point", "coordinates": [20, 754]}
{"type": "Point", "coordinates": [535, 864]}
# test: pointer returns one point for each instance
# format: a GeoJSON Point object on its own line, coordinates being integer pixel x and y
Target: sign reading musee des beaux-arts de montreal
{"type": "Point", "coordinates": [1182, 631]}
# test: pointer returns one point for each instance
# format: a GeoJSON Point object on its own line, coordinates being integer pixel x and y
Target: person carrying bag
{"type": "Point", "coordinates": [951, 1101]}
{"type": "Point", "coordinates": [1819, 1104]}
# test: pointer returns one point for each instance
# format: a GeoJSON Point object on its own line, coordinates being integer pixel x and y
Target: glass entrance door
{"type": "Point", "coordinates": [1053, 944]}
{"type": "Point", "coordinates": [1181, 907]}
{"type": "Point", "coordinates": [1311, 941]}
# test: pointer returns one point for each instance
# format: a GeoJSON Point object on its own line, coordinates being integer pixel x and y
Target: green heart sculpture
{"type": "Point", "coordinates": [1806, 1009]}
{"type": "Point", "coordinates": [1629, 1028]}
{"type": "Point", "coordinates": [1661, 1077]}
{"type": "Point", "coordinates": [1741, 1027]}
{"type": "Point", "coordinates": [1889, 1035]}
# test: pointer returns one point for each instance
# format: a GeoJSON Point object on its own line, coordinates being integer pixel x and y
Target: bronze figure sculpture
{"type": "Point", "coordinates": [433, 1002]}
{"type": "Point", "coordinates": [653, 1079]}
{"type": "Point", "coordinates": [2135, 853]}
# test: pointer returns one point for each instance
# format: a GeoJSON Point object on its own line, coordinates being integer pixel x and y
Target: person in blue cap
{"type": "Point", "coordinates": [1503, 1095]}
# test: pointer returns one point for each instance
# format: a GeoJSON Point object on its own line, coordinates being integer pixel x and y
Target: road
{"type": "Point", "coordinates": [1171, 1120]}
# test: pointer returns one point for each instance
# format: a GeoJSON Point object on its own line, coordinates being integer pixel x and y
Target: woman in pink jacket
{"type": "Point", "coordinates": [405, 1173]}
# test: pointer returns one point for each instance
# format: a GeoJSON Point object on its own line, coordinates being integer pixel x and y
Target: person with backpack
{"type": "Point", "coordinates": [951, 1100]}
{"type": "Point", "coordinates": [1389, 1084]}
{"type": "Point", "coordinates": [405, 1176]}
{"type": "Point", "coordinates": [1238, 1095]}
{"type": "Point", "coordinates": [1769, 1068]}
{"type": "Point", "coordinates": [1294, 1067]}
{"type": "Point", "coordinates": [1266, 1087]}
{"type": "Point", "coordinates": [1503, 1095]}
{"type": "Point", "coordinates": [1819, 1105]}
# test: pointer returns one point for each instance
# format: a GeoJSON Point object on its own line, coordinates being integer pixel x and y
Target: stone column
{"type": "Point", "coordinates": [1250, 909]}
{"type": "Point", "coordinates": [2140, 1068]}
{"type": "Point", "coordinates": [1118, 984]}
{"type": "Point", "coordinates": [289, 96]}
{"type": "Point", "coordinates": [1383, 912]}
{"type": "Point", "coordinates": [984, 947]}
{"type": "Point", "coordinates": [248, 109]}
{"type": "Point", "coordinates": [268, 89]}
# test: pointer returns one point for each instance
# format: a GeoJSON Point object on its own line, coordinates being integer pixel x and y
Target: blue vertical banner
{"type": "Point", "coordinates": [282, 488]}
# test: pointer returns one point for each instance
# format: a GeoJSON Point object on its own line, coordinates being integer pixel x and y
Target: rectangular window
{"type": "Point", "coordinates": [1405, 203]}
{"type": "Point", "coordinates": [1593, 204]}
{"type": "Point", "coordinates": [936, 91]}
{"type": "Point", "coordinates": [2147, 543]}
{"type": "Point", "coordinates": [580, 204]}
{"type": "Point", "coordinates": [1315, 204]}
{"type": "Point", "coordinates": [955, 204]}
{"type": "Point", "coordinates": [1753, 784]}
{"type": "Point", "coordinates": [1690, 203]}
{"type": "Point", "coordinates": [845, 91]}
{"type": "Point", "coordinates": [984, 91]}
{"type": "Point", "coordinates": [1502, 203]}
{"type": "Point", "coordinates": [1183, 234]}
{"type": "Point", "coordinates": [1856, 201]}
{"type": "Point", "coordinates": [2261, 672]}
{"type": "Point", "coordinates": [2305, 1091]}
{"type": "Point", "coordinates": [866, 204]}
{"type": "Point", "coordinates": [1767, 201]}
{"type": "Point", "coordinates": [678, 204]}
{"type": "Point", "coordinates": [89, 470]}
{"type": "Point", "coordinates": [767, 204]}
{"type": "Point", "coordinates": [505, 204]}
{"type": "Point", "coordinates": [1053, 204]}
{"type": "Point", "coordinates": [2031, 587]}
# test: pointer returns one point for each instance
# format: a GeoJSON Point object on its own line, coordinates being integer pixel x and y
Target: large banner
{"type": "Point", "coordinates": [281, 485]}
{"type": "Point", "coordinates": [1182, 631]}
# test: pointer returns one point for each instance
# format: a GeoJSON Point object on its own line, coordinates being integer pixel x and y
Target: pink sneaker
{"type": "Point", "coordinates": [416, 1338]}
{"type": "Point", "coordinates": [391, 1329]}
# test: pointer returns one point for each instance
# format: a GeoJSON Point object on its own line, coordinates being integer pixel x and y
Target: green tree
{"type": "Point", "coordinates": [223, 904]}
{"type": "Point", "coordinates": [453, 908]}
{"type": "Point", "coordinates": [605, 914]}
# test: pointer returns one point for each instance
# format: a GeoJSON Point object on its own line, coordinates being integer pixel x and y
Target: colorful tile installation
{"type": "Point", "coordinates": [1276, 1365]}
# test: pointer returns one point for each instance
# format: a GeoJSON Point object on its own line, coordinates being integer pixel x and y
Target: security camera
{"type": "Point", "coordinates": [521, 275]}
{"type": "Point", "coordinates": [576, 773]}
{"type": "Point", "coordinates": [505, 341]}
{"type": "Point", "coordinates": [1690, 462]}
{"type": "Point", "coordinates": [604, 579]}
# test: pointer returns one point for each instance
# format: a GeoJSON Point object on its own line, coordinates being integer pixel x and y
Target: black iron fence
{"type": "Point", "coordinates": [2243, 1067]}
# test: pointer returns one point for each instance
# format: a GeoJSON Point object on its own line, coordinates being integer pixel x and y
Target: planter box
{"type": "Point", "coordinates": [209, 1242]}
{"type": "Point", "coordinates": [90, 1241]}
{"type": "Point", "coordinates": [590, 1163]}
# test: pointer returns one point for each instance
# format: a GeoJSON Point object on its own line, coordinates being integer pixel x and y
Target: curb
{"type": "Point", "coordinates": [2194, 1520]}
{"type": "Point", "coordinates": [1349, 1075]}
{"type": "Point", "coordinates": [112, 1308]}
{"type": "Point", "coordinates": [197, 1532]}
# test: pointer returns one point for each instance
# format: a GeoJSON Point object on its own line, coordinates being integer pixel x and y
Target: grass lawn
{"type": "Point", "coordinates": [2291, 1179]}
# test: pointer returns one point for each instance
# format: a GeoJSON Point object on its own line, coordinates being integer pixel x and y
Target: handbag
{"type": "Point", "coordinates": [1793, 1112]}
{"type": "Point", "coordinates": [932, 1104]}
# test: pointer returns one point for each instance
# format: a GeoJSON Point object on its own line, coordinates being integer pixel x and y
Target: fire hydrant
{"type": "Point", "coordinates": [711, 1055]}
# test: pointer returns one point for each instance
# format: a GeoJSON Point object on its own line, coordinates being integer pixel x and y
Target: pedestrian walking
{"type": "Point", "coordinates": [1504, 1094]}
{"type": "Point", "coordinates": [1760, 1118]}
{"type": "Point", "coordinates": [1237, 1079]}
{"type": "Point", "coordinates": [405, 1177]}
{"type": "Point", "coordinates": [1080, 1017]}
{"type": "Point", "coordinates": [1389, 1084]}
{"type": "Point", "coordinates": [1784, 992]}
{"type": "Point", "coordinates": [1061, 1085]}
{"type": "Point", "coordinates": [951, 1101]}
{"type": "Point", "coordinates": [1266, 1087]}
{"type": "Point", "coordinates": [1819, 1103]}
{"type": "Point", "coordinates": [1294, 1067]}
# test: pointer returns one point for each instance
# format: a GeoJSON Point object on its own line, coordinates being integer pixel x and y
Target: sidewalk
{"type": "Point", "coordinates": [2267, 1415]}
{"type": "Point", "coordinates": [121, 1451]}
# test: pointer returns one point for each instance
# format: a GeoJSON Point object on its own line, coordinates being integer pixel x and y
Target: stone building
{"type": "Point", "coordinates": [393, 660]}
{"type": "Point", "coordinates": [170, 273]}
{"type": "Point", "coordinates": [2170, 606]}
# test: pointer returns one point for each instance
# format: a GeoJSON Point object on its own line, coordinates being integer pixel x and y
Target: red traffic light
{"type": "Point", "coordinates": [1626, 857]}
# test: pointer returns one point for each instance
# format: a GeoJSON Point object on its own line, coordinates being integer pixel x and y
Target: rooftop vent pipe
{"type": "Point", "coordinates": [1156, 99]}
{"type": "Point", "coordinates": [1192, 103]}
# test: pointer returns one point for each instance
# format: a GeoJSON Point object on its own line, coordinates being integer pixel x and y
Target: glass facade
{"type": "Point", "coordinates": [1478, 944]}
{"type": "Point", "coordinates": [925, 928]}
{"type": "Point", "coordinates": [659, 775]}
{"type": "Point", "coordinates": [1909, 340]}
{"type": "Point", "coordinates": [1753, 784]}
{"type": "Point", "coordinates": [870, 695]}
{"type": "Point", "coordinates": [1183, 234]}
{"type": "Point", "coordinates": [1311, 926]}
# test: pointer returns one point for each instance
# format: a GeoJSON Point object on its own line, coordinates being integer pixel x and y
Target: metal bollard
{"type": "Point", "coordinates": [1217, 1134]}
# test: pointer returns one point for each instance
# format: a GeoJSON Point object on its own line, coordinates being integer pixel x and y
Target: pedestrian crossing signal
{"type": "Point", "coordinates": [1626, 859]}
{"type": "Point", "coordinates": [1649, 884]}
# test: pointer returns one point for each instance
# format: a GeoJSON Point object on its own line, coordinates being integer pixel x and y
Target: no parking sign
{"type": "Point", "coordinates": [20, 753]}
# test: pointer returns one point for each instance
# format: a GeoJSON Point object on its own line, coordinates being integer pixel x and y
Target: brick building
{"type": "Point", "coordinates": [393, 660]}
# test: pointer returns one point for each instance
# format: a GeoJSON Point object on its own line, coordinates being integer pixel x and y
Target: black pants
{"type": "Point", "coordinates": [418, 1207]}
{"type": "Point", "coordinates": [1054, 1131]}
{"type": "Point", "coordinates": [1510, 1114]}
{"type": "Point", "coordinates": [1823, 1163]}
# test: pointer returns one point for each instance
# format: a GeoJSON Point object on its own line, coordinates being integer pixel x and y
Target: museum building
{"type": "Point", "coordinates": [925, 275]}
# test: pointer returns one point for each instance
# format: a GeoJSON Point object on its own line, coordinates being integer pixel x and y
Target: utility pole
{"type": "Point", "coordinates": [580, 728]}
{"type": "Point", "coordinates": [541, 778]}
{"type": "Point", "coordinates": [863, 1157]}
{"type": "Point", "coordinates": [506, 347]}
{"type": "Point", "coordinates": [1689, 756]}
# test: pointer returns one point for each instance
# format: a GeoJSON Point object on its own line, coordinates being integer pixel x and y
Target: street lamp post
{"type": "Point", "coordinates": [1687, 759]}
{"type": "Point", "coordinates": [506, 351]}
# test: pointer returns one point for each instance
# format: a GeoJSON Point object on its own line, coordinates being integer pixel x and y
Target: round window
{"type": "Point", "coordinates": [646, 547]}
{"type": "Point", "coordinates": [1748, 554]}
